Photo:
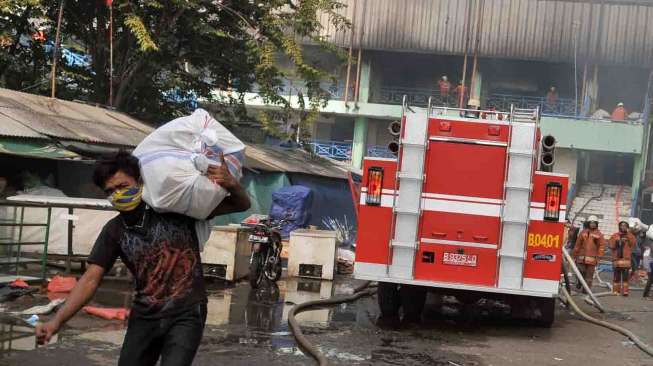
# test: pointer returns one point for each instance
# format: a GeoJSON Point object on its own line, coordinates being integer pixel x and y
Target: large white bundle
{"type": "Point", "coordinates": [174, 159]}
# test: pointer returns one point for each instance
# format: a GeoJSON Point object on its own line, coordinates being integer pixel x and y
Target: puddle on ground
{"type": "Point", "coordinates": [266, 309]}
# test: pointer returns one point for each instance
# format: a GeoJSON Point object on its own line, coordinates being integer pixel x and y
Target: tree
{"type": "Point", "coordinates": [169, 52]}
{"type": "Point", "coordinates": [22, 59]}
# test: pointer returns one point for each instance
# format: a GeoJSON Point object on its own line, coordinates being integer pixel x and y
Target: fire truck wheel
{"type": "Point", "coordinates": [547, 309]}
{"type": "Point", "coordinates": [388, 298]}
{"type": "Point", "coordinates": [413, 299]}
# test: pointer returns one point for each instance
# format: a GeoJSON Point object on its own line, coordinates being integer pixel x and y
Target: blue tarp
{"type": "Point", "coordinates": [331, 198]}
{"type": "Point", "coordinates": [292, 203]}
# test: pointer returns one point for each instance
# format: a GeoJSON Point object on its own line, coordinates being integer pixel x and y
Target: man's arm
{"type": "Point", "coordinates": [238, 200]}
{"type": "Point", "coordinates": [79, 296]}
{"type": "Point", "coordinates": [579, 240]}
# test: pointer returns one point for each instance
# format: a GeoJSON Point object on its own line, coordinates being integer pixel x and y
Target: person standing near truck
{"type": "Point", "coordinates": [621, 247]}
{"type": "Point", "coordinates": [588, 248]}
{"type": "Point", "coordinates": [161, 250]}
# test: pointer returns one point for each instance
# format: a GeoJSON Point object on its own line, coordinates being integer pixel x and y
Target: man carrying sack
{"type": "Point", "coordinates": [621, 246]}
{"type": "Point", "coordinates": [588, 248]}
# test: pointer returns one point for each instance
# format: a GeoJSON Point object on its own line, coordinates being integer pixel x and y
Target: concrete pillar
{"type": "Point", "coordinates": [359, 147]}
{"type": "Point", "coordinates": [365, 82]}
{"type": "Point", "coordinates": [475, 92]}
{"type": "Point", "coordinates": [372, 133]}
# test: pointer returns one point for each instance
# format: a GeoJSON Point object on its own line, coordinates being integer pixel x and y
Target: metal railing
{"type": "Point", "coordinates": [561, 107]}
{"type": "Point", "coordinates": [418, 97]}
{"type": "Point", "coordinates": [380, 152]}
{"type": "Point", "coordinates": [336, 150]}
{"type": "Point", "coordinates": [331, 91]}
{"type": "Point", "coordinates": [340, 150]}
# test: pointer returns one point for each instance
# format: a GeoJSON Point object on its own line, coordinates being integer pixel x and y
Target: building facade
{"type": "Point", "coordinates": [595, 55]}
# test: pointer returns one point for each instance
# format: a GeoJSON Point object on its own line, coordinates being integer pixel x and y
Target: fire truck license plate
{"type": "Point", "coordinates": [455, 259]}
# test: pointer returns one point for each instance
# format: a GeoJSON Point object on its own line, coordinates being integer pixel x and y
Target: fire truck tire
{"type": "Point", "coordinates": [389, 301]}
{"type": "Point", "coordinates": [547, 308]}
{"type": "Point", "coordinates": [413, 299]}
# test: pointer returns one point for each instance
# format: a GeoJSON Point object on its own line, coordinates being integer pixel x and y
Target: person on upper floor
{"type": "Point", "coordinates": [445, 86]}
{"type": "Point", "coordinates": [619, 113]}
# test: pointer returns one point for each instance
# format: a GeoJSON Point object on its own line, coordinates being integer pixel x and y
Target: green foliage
{"type": "Point", "coordinates": [185, 48]}
{"type": "Point", "coordinates": [137, 28]}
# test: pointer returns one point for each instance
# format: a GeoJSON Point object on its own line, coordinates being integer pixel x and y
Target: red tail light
{"type": "Point", "coordinates": [374, 186]}
{"type": "Point", "coordinates": [552, 203]}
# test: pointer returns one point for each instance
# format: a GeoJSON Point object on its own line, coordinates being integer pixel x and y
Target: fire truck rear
{"type": "Point", "coordinates": [468, 208]}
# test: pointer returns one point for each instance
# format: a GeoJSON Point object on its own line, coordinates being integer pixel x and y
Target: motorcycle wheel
{"type": "Point", "coordinates": [256, 270]}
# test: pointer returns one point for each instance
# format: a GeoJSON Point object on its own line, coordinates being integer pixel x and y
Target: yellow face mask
{"type": "Point", "coordinates": [126, 199]}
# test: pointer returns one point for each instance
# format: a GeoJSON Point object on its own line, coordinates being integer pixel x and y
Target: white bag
{"type": "Point", "coordinates": [174, 160]}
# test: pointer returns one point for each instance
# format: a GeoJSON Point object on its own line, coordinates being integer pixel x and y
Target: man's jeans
{"type": "Point", "coordinates": [175, 339]}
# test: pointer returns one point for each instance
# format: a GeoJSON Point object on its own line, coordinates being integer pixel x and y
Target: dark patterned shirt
{"type": "Point", "coordinates": [162, 253]}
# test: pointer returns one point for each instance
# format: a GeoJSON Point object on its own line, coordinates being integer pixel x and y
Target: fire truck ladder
{"type": "Point", "coordinates": [407, 205]}
{"type": "Point", "coordinates": [517, 196]}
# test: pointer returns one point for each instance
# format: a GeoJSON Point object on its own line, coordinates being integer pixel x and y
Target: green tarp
{"type": "Point", "coordinates": [34, 148]}
{"type": "Point", "coordinates": [260, 188]}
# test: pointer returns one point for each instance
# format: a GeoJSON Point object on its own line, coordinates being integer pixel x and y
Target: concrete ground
{"type": "Point", "coordinates": [247, 327]}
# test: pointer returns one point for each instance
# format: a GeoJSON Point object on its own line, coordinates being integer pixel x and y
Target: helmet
{"type": "Point", "coordinates": [593, 218]}
{"type": "Point", "coordinates": [474, 103]}
{"type": "Point", "coordinates": [620, 104]}
{"type": "Point", "coordinates": [444, 77]}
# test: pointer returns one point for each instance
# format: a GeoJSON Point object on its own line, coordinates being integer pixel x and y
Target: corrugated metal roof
{"type": "Point", "coordinates": [276, 159]}
{"type": "Point", "coordinates": [29, 115]}
{"type": "Point", "coordinates": [548, 30]}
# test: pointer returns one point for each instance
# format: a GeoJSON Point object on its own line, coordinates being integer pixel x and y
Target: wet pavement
{"type": "Point", "coordinates": [249, 327]}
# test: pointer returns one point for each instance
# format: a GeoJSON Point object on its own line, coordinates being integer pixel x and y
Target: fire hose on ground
{"type": "Point", "coordinates": [364, 290]}
{"type": "Point", "coordinates": [593, 300]}
{"type": "Point", "coordinates": [302, 341]}
{"type": "Point", "coordinates": [638, 342]}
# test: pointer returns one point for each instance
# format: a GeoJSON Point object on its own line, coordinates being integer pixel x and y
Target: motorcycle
{"type": "Point", "coordinates": [265, 261]}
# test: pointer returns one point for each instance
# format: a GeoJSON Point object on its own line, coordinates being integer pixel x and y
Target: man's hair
{"type": "Point", "coordinates": [122, 161]}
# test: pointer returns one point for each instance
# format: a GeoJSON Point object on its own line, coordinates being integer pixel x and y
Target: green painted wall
{"type": "Point", "coordinates": [594, 135]}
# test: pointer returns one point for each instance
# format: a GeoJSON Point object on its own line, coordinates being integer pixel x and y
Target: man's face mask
{"type": "Point", "coordinates": [126, 199]}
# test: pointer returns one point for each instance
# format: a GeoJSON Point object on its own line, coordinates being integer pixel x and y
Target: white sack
{"type": "Point", "coordinates": [174, 159]}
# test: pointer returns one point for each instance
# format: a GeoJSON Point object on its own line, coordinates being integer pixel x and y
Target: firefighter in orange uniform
{"type": "Point", "coordinates": [621, 246]}
{"type": "Point", "coordinates": [588, 248]}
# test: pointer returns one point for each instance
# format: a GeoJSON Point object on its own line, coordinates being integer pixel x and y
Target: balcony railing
{"type": "Point", "coordinates": [420, 97]}
{"type": "Point", "coordinates": [339, 150]}
{"type": "Point", "coordinates": [332, 149]}
{"type": "Point", "coordinates": [416, 96]}
{"type": "Point", "coordinates": [561, 107]}
{"type": "Point", "coordinates": [332, 92]}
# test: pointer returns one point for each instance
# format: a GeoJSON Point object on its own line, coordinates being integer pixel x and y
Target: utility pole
{"type": "Point", "coordinates": [55, 53]}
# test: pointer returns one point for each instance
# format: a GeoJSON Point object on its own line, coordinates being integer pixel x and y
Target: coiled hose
{"type": "Point", "coordinates": [301, 339]}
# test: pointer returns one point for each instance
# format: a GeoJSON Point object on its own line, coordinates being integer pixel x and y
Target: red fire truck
{"type": "Point", "coordinates": [468, 208]}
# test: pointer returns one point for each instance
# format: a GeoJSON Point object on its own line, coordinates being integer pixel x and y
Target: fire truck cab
{"type": "Point", "coordinates": [468, 208]}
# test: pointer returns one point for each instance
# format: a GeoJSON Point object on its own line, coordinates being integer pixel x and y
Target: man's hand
{"type": "Point", "coordinates": [80, 295]}
{"type": "Point", "coordinates": [45, 331]}
{"type": "Point", "coordinates": [221, 175]}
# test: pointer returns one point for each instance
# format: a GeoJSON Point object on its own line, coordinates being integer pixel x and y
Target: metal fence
{"type": "Point", "coordinates": [339, 150]}
{"type": "Point", "coordinates": [420, 97]}
{"type": "Point", "coordinates": [331, 91]}
{"type": "Point", "coordinates": [561, 107]}
{"type": "Point", "coordinates": [415, 96]}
